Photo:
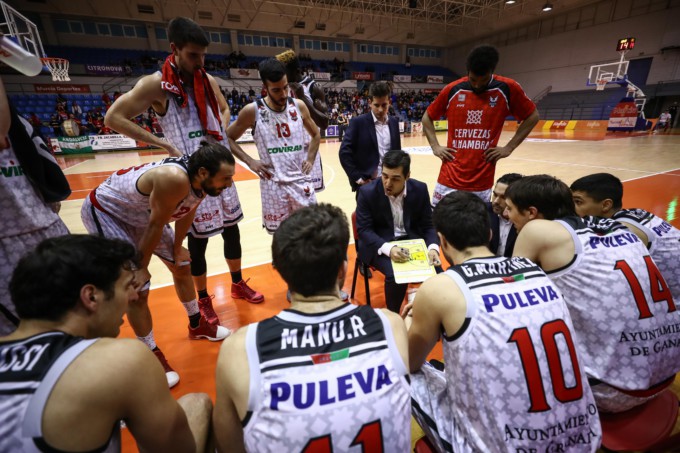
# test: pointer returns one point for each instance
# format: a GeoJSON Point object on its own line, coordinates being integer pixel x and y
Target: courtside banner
{"type": "Point", "coordinates": [441, 125]}
{"type": "Point", "coordinates": [73, 145]}
{"type": "Point", "coordinates": [241, 73]}
{"type": "Point", "coordinates": [435, 79]}
{"type": "Point", "coordinates": [104, 69]}
{"type": "Point", "coordinates": [332, 131]}
{"type": "Point", "coordinates": [623, 116]}
{"type": "Point", "coordinates": [246, 137]}
{"type": "Point", "coordinates": [416, 127]}
{"type": "Point", "coordinates": [108, 142]}
{"type": "Point", "coordinates": [321, 75]}
{"type": "Point", "coordinates": [362, 75]}
{"type": "Point", "coordinates": [402, 78]}
{"type": "Point", "coordinates": [60, 88]}
{"type": "Point", "coordinates": [402, 127]}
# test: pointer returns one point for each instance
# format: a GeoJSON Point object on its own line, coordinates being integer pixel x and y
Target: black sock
{"type": "Point", "coordinates": [236, 277]}
{"type": "Point", "coordinates": [194, 320]}
{"type": "Point", "coordinates": [203, 293]}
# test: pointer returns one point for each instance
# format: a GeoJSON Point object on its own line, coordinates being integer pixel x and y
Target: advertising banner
{"type": "Point", "coordinates": [241, 73]}
{"type": "Point", "coordinates": [95, 69]}
{"type": "Point", "coordinates": [402, 78]}
{"type": "Point", "coordinates": [417, 127]}
{"type": "Point", "coordinates": [54, 144]}
{"type": "Point", "coordinates": [75, 145]}
{"type": "Point", "coordinates": [321, 75]}
{"type": "Point", "coordinates": [109, 142]}
{"type": "Point", "coordinates": [435, 79]}
{"type": "Point", "coordinates": [60, 88]}
{"type": "Point", "coordinates": [332, 131]}
{"type": "Point", "coordinates": [559, 125]}
{"type": "Point", "coordinates": [362, 75]}
{"type": "Point", "coordinates": [246, 137]}
{"type": "Point", "coordinates": [402, 127]}
{"type": "Point", "coordinates": [623, 116]}
{"type": "Point", "coordinates": [441, 125]}
{"type": "Point", "coordinates": [431, 90]}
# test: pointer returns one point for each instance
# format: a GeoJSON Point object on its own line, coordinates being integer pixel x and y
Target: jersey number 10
{"type": "Point", "coordinates": [532, 371]}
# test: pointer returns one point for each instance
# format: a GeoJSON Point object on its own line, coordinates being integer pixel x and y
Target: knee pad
{"type": "Point", "coordinates": [232, 242]}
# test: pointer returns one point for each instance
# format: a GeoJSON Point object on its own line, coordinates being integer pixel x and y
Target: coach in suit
{"type": "Point", "coordinates": [369, 137]}
{"type": "Point", "coordinates": [394, 208]}
{"type": "Point", "coordinates": [504, 233]}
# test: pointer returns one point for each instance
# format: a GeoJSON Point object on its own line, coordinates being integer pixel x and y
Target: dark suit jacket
{"type": "Point", "coordinates": [374, 217]}
{"type": "Point", "coordinates": [495, 237]}
{"type": "Point", "coordinates": [359, 154]}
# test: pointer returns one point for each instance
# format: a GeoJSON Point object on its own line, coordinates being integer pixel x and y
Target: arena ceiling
{"type": "Point", "coordinates": [431, 22]}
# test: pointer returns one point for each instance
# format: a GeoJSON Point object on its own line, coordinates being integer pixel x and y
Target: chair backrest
{"type": "Point", "coordinates": [643, 427]}
{"type": "Point", "coordinates": [354, 227]}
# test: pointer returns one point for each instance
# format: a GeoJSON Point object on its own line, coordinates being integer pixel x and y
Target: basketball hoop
{"type": "Point", "coordinates": [58, 67]}
{"type": "Point", "coordinates": [600, 84]}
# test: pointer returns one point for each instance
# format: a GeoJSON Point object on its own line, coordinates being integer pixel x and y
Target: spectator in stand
{"type": "Point", "coordinates": [106, 99]}
{"type": "Point", "coordinates": [76, 110]}
{"type": "Point", "coordinates": [55, 124]}
{"type": "Point", "coordinates": [34, 120]}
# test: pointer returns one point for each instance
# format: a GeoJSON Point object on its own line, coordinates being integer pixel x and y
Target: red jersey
{"type": "Point", "coordinates": [475, 124]}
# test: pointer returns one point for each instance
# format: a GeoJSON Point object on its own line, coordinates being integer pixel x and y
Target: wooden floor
{"type": "Point", "coordinates": [649, 165]}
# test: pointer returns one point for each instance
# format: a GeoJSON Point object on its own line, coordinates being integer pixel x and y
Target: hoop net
{"type": "Point", "coordinates": [58, 67]}
{"type": "Point", "coordinates": [600, 84]}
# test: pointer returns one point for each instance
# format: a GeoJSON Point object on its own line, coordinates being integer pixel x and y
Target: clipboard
{"type": "Point", "coordinates": [418, 268]}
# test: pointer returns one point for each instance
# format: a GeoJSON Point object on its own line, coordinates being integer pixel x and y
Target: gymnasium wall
{"type": "Point", "coordinates": [544, 53]}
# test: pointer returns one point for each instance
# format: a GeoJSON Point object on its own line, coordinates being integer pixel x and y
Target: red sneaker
{"type": "Point", "coordinates": [241, 290]}
{"type": "Point", "coordinates": [170, 374]}
{"type": "Point", "coordinates": [206, 308]}
{"type": "Point", "coordinates": [208, 331]}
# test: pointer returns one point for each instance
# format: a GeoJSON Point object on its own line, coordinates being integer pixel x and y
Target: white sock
{"type": "Point", "coordinates": [149, 340]}
{"type": "Point", "coordinates": [191, 307]}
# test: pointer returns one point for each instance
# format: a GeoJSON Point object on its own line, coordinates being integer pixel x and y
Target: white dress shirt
{"type": "Point", "coordinates": [503, 232]}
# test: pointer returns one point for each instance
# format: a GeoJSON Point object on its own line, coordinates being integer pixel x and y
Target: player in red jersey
{"type": "Point", "coordinates": [475, 107]}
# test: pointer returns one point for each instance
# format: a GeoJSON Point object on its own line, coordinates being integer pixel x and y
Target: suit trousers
{"type": "Point", "coordinates": [394, 292]}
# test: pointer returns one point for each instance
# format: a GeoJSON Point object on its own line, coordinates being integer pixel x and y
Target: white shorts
{"type": "Point", "coordinates": [317, 171]}
{"type": "Point", "coordinates": [216, 213]}
{"type": "Point", "coordinates": [279, 200]}
{"type": "Point", "coordinates": [13, 248]}
{"type": "Point", "coordinates": [100, 223]}
{"type": "Point", "coordinates": [609, 399]}
{"type": "Point", "coordinates": [440, 191]}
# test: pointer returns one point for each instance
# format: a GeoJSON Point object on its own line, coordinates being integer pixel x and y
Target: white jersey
{"type": "Point", "coordinates": [120, 198]}
{"type": "Point", "coordinates": [515, 382]}
{"type": "Point", "coordinates": [627, 326]}
{"type": "Point", "coordinates": [332, 381]}
{"type": "Point", "coordinates": [182, 127]}
{"type": "Point", "coordinates": [317, 169]}
{"type": "Point", "coordinates": [664, 244]}
{"type": "Point", "coordinates": [23, 208]}
{"type": "Point", "coordinates": [279, 137]}
{"type": "Point", "coordinates": [29, 370]}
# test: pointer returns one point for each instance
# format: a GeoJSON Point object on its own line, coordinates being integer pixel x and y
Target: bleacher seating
{"type": "Point", "coordinates": [580, 105]}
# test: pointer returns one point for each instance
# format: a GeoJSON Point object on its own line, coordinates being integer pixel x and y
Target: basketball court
{"type": "Point", "coordinates": [649, 164]}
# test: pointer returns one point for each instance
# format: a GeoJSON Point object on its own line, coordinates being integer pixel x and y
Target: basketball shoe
{"type": "Point", "coordinates": [208, 331]}
{"type": "Point", "coordinates": [206, 308]}
{"type": "Point", "coordinates": [241, 290]}
{"type": "Point", "coordinates": [170, 374]}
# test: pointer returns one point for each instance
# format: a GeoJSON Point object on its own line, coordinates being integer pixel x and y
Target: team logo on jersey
{"type": "Point", "coordinates": [474, 117]}
{"type": "Point", "coordinates": [461, 97]}
{"type": "Point", "coordinates": [264, 114]}
{"type": "Point", "coordinates": [308, 192]}
{"type": "Point", "coordinates": [293, 114]}
{"type": "Point", "coordinates": [493, 101]}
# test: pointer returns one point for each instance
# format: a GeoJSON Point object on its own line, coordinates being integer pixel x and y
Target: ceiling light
{"type": "Point", "coordinates": [547, 7]}
{"type": "Point", "coordinates": [510, 2]}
